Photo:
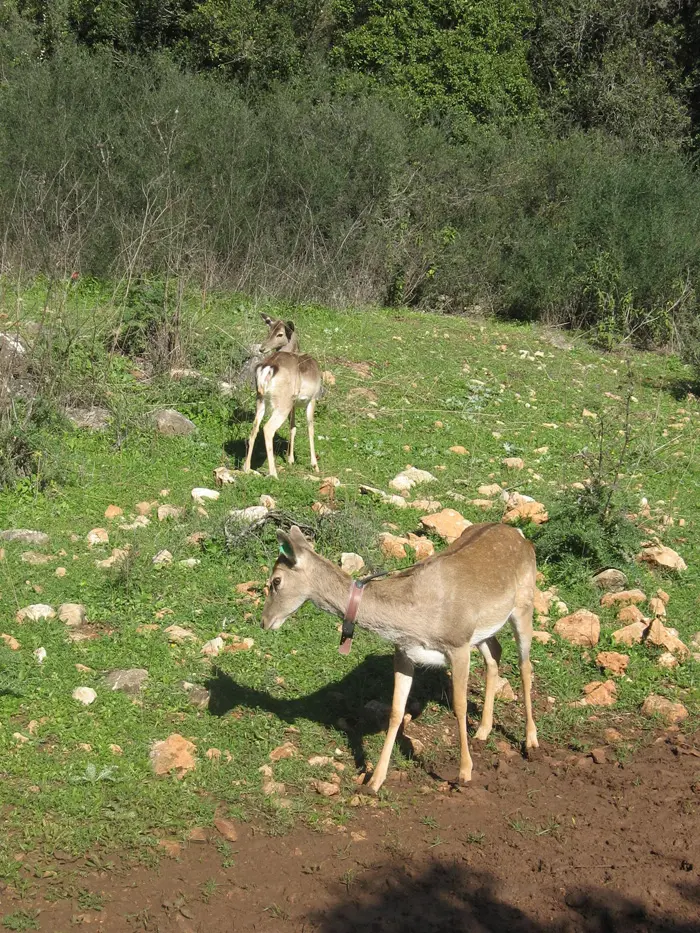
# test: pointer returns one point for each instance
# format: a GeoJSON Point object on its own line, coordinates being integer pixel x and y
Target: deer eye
{"type": "Point", "coordinates": [274, 585]}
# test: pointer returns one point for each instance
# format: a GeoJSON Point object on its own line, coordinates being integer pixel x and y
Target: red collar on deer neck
{"type": "Point", "coordinates": [357, 588]}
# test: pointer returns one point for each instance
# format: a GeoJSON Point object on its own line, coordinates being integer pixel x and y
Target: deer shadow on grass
{"type": "Point", "coordinates": [341, 703]}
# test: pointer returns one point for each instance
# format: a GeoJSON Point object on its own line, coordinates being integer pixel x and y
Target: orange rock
{"type": "Point", "coordinates": [392, 545]}
{"type": "Point", "coordinates": [613, 661]}
{"type": "Point", "coordinates": [448, 524]}
{"type": "Point", "coordinates": [623, 598]}
{"type": "Point", "coordinates": [173, 754]}
{"type": "Point", "coordinates": [579, 628]}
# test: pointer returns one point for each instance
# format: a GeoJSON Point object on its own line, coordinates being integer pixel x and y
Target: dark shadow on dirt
{"type": "Point", "coordinates": [238, 448]}
{"type": "Point", "coordinates": [452, 898]}
{"type": "Point", "coordinates": [341, 703]}
{"type": "Point", "coordinates": [680, 389]}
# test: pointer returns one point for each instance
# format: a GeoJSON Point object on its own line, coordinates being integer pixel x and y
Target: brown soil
{"type": "Point", "coordinates": [557, 845]}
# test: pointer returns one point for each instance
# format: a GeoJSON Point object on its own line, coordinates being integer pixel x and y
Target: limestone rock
{"type": "Point", "coordinates": [117, 557]}
{"type": "Point", "coordinates": [658, 607]}
{"type": "Point", "coordinates": [97, 536]}
{"type": "Point", "coordinates": [173, 754]}
{"type": "Point", "coordinates": [199, 493]}
{"type": "Point", "coordinates": [92, 419]}
{"type": "Point", "coordinates": [663, 557]}
{"type": "Point", "coordinates": [405, 481]}
{"type": "Point", "coordinates": [599, 693]}
{"type": "Point", "coordinates": [610, 580]}
{"type": "Point", "coordinates": [392, 545]}
{"type": "Point", "coordinates": [25, 536]}
{"type": "Point", "coordinates": [247, 516]}
{"type": "Point", "coordinates": [198, 696]}
{"type": "Point", "coordinates": [212, 648]}
{"type": "Point", "coordinates": [11, 642]}
{"type": "Point", "coordinates": [166, 511]}
{"type": "Point", "coordinates": [668, 660]}
{"type": "Point", "coordinates": [504, 691]}
{"type": "Point", "coordinates": [542, 637]}
{"type": "Point", "coordinates": [113, 511]}
{"type": "Point", "coordinates": [130, 681]}
{"type": "Point", "coordinates": [162, 557]}
{"type": "Point", "coordinates": [171, 423]}
{"type": "Point", "coordinates": [325, 788]}
{"type": "Point", "coordinates": [84, 695]}
{"type": "Point", "coordinates": [73, 614]}
{"type": "Point", "coordinates": [490, 490]}
{"type": "Point", "coordinates": [658, 634]}
{"type": "Point", "coordinates": [623, 598]}
{"type": "Point", "coordinates": [351, 562]}
{"type": "Point", "coordinates": [423, 547]}
{"type": "Point", "coordinates": [613, 661]}
{"type": "Point", "coordinates": [288, 750]}
{"type": "Point", "coordinates": [631, 614]}
{"type": "Point", "coordinates": [513, 463]}
{"type": "Point", "coordinates": [448, 524]}
{"type": "Point", "coordinates": [458, 449]}
{"type": "Point", "coordinates": [178, 635]}
{"type": "Point", "coordinates": [35, 613]}
{"type": "Point", "coordinates": [36, 559]}
{"type": "Point", "coordinates": [631, 634]}
{"type": "Point", "coordinates": [579, 628]}
{"type": "Point", "coordinates": [527, 511]}
{"type": "Point", "coordinates": [226, 828]}
{"type": "Point", "coordinates": [660, 706]}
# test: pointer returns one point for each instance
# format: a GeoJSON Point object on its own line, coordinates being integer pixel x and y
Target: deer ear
{"type": "Point", "coordinates": [289, 329]}
{"type": "Point", "coordinates": [286, 547]}
{"type": "Point", "coordinates": [267, 319]}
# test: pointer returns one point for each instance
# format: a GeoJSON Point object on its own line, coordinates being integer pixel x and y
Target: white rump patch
{"type": "Point", "coordinates": [264, 378]}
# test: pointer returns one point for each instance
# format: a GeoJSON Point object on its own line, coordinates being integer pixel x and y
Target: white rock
{"type": "Point", "coordinates": [190, 562]}
{"type": "Point", "coordinates": [411, 477]}
{"type": "Point", "coordinates": [162, 557]}
{"type": "Point", "coordinates": [35, 613]}
{"type": "Point", "coordinates": [84, 695]}
{"type": "Point", "coordinates": [351, 562]}
{"type": "Point", "coordinates": [267, 502]}
{"type": "Point", "coordinates": [141, 521]}
{"type": "Point", "coordinates": [224, 476]}
{"type": "Point", "coordinates": [212, 647]}
{"type": "Point", "coordinates": [201, 492]}
{"type": "Point", "coordinates": [40, 655]}
{"type": "Point", "coordinates": [247, 516]}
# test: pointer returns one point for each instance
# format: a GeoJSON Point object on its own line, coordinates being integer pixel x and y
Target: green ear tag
{"type": "Point", "coordinates": [285, 552]}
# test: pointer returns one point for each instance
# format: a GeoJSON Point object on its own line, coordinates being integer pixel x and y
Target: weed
{"type": "Point", "coordinates": [90, 900]}
{"type": "Point", "coordinates": [208, 889]}
{"type": "Point", "coordinates": [21, 920]}
{"type": "Point", "coordinates": [430, 821]}
{"type": "Point", "coordinates": [475, 839]}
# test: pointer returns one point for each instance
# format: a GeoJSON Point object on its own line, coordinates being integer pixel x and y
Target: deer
{"type": "Point", "coordinates": [284, 380]}
{"type": "Point", "coordinates": [434, 613]}
{"type": "Point", "coordinates": [281, 336]}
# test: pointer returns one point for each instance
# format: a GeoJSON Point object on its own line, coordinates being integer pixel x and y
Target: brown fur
{"type": "Point", "coordinates": [460, 597]}
{"type": "Point", "coordinates": [281, 336]}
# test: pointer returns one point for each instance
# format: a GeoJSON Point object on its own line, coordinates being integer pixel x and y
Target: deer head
{"type": "Point", "coordinates": [280, 335]}
{"type": "Point", "coordinates": [291, 580]}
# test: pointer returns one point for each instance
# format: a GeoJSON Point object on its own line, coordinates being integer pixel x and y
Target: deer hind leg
{"type": "Point", "coordinates": [275, 421]}
{"type": "Point", "coordinates": [521, 620]}
{"type": "Point", "coordinates": [491, 652]}
{"type": "Point", "coordinates": [460, 683]}
{"type": "Point", "coordinates": [403, 678]}
{"type": "Point", "coordinates": [292, 435]}
{"type": "Point", "coordinates": [310, 408]}
{"type": "Point", "coordinates": [259, 415]}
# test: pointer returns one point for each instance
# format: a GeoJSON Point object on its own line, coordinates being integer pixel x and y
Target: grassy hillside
{"type": "Point", "coordinates": [408, 387]}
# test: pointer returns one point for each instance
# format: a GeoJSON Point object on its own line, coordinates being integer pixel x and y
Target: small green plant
{"type": "Point", "coordinates": [21, 920]}
{"type": "Point", "coordinates": [90, 900]}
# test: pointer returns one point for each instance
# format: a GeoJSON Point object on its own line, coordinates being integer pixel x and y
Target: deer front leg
{"type": "Point", "coordinates": [292, 435]}
{"type": "Point", "coordinates": [460, 682]}
{"type": "Point", "coordinates": [310, 408]}
{"type": "Point", "coordinates": [403, 678]}
{"type": "Point", "coordinates": [276, 420]}
{"type": "Point", "coordinates": [521, 619]}
{"type": "Point", "coordinates": [259, 415]}
{"type": "Point", "coordinates": [491, 651]}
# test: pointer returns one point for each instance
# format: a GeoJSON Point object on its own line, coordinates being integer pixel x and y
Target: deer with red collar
{"type": "Point", "coordinates": [283, 381]}
{"type": "Point", "coordinates": [433, 612]}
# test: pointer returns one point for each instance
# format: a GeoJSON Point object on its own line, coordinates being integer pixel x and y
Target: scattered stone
{"type": "Point", "coordinates": [93, 419]}
{"type": "Point", "coordinates": [542, 637]}
{"type": "Point", "coordinates": [197, 538]}
{"type": "Point", "coordinates": [321, 509]}
{"type": "Point", "coordinates": [84, 695]}
{"type": "Point", "coordinates": [116, 749]}
{"type": "Point", "coordinates": [190, 562]}
{"type": "Point", "coordinates": [657, 606]}
{"type": "Point", "coordinates": [171, 847]}
{"type": "Point", "coordinates": [598, 756]}
{"type": "Point", "coordinates": [423, 547]}
{"type": "Point", "coordinates": [40, 655]}
{"type": "Point", "coordinates": [458, 449]}
{"type": "Point", "coordinates": [226, 828]}
{"type": "Point", "coordinates": [247, 516]}
{"type": "Point", "coordinates": [667, 660]}
{"type": "Point", "coordinates": [325, 788]}
{"type": "Point", "coordinates": [168, 511]}
{"type": "Point", "coordinates": [598, 693]}
{"type": "Point", "coordinates": [513, 463]}
{"type": "Point", "coordinates": [145, 508]}
{"type": "Point", "coordinates": [319, 761]}
{"type": "Point", "coordinates": [392, 545]}
{"type": "Point", "coordinates": [623, 598]}
{"type": "Point", "coordinates": [543, 601]}
{"type": "Point", "coordinates": [490, 490]}
{"type": "Point", "coordinates": [425, 505]}
{"type": "Point", "coordinates": [579, 628]}
{"type": "Point", "coordinates": [162, 557]}
{"type": "Point", "coordinates": [213, 754]}
{"type": "Point", "coordinates": [198, 696]}
{"type": "Point", "coordinates": [504, 691]}
{"type": "Point", "coordinates": [197, 834]}
{"type": "Point", "coordinates": [25, 536]}
{"type": "Point", "coordinates": [171, 423]}
{"type": "Point", "coordinates": [201, 492]}
{"type": "Point", "coordinates": [483, 504]}
{"type": "Point", "coordinates": [405, 481]}
{"type": "Point", "coordinates": [118, 556]}
{"type": "Point", "coordinates": [610, 580]}
{"type": "Point", "coordinates": [631, 634]}
{"type": "Point", "coordinates": [113, 511]}
{"type": "Point", "coordinates": [82, 669]}
{"type": "Point", "coordinates": [660, 706]}
{"type": "Point", "coordinates": [613, 661]}
{"type": "Point", "coordinates": [658, 634]}
{"type": "Point", "coordinates": [664, 597]}
{"type": "Point", "coordinates": [11, 642]}
{"type": "Point", "coordinates": [72, 614]}
{"type": "Point", "coordinates": [328, 377]}
{"type": "Point", "coordinates": [448, 524]}
{"type": "Point", "coordinates": [35, 613]}
{"type": "Point", "coordinates": [588, 414]}
{"type": "Point", "coordinates": [60, 572]}
{"type": "Point", "coordinates": [212, 648]}
{"type": "Point", "coordinates": [663, 557]}
{"type": "Point", "coordinates": [631, 614]}
{"type": "Point", "coordinates": [288, 750]}
{"type": "Point", "coordinates": [177, 374]}
{"type": "Point", "coordinates": [271, 788]}
{"type": "Point", "coordinates": [351, 562]}
{"type": "Point", "coordinates": [267, 502]}
{"type": "Point", "coordinates": [173, 754]}
{"type": "Point", "coordinates": [612, 736]}
{"type": "Point", "coordinates": [526, 510]}
{"type": "Point", "coordinates": [239, 644]}
{"type": "Point", "coordinates": [178, 635]}
{"type": "Point", "coordinates": [130, 681]}
{"type": "Point", "coordinates": [97, 536]}
{"type": "Point", "coordinates": [141, 521]}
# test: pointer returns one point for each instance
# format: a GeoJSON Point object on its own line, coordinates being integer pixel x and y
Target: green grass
{"type": "Point", "coordinates": [493, 387]}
